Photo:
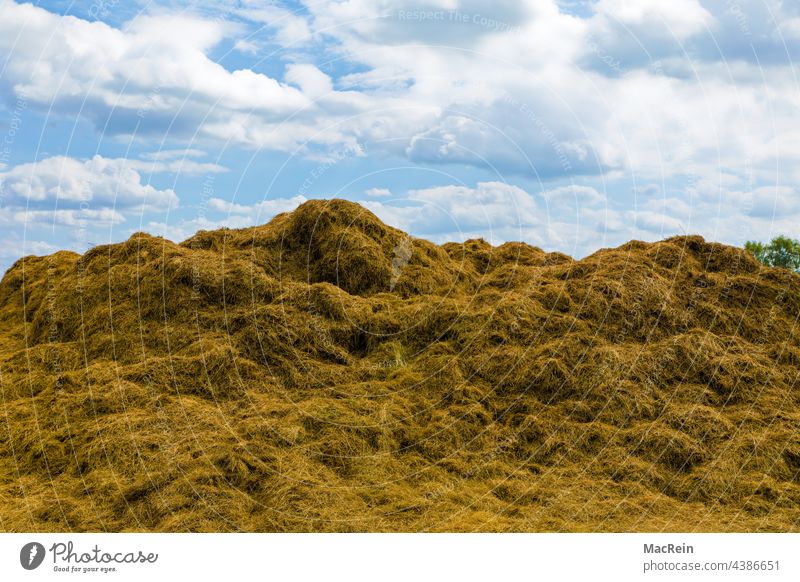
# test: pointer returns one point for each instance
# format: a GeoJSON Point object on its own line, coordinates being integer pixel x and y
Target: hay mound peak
{"type": "Point", "coordinates": [327, 372]}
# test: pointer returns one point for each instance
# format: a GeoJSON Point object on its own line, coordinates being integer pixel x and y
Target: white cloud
{"type": "Point", "coordinates": [100, 217]}
{"type": "Point", "coordinates": [514, 95]}
{"type": "Point", "coordinates": [579, 219]}
{"type": "Point", "coordinates": [246, 47]}
{"type": "Point", "coordinates": [765, 202]}
{"type": "Point", "coordinates": [378, 192]}
{"type": "Point", "coordinates": [63, 182]}
{"type": "Point", "coordinates": [582, 195]}
{"type": "Point", "coordinates": [668, 94]}
{"type": "Point", "coordinates": [236, 216]}
{"type": "Point", "coordinates": [180, 230]}
{"type": "Point", "coordinates": [175, 161]}
{"type": "Point", "coordinates": [153, 75]}
{"type": "Point", "coordinates": [516, 87]}
{"type": "Point", "coordinates": [488, 203]}
{"type": "Point", "coordinates": [681, 18]}
{"type": "Point", "coordinates": [182, 166]}
{"type": "Point", "coordinates": [173, 154]}
{"type": "Point", "coordinates": [656, 222]}
{"type": "Point", "coordinates": [309, 79]}
{"type": "Point", "coordinates": [259, 212]}
{"type": "Point", "coordinates": [445, 221]}
{"type": "Point", "coordinates": [13, 247]}
{"type": "Point", "coordinates": [290, 28]}
{"type": "Point", "coordinates": [677, 207]}
{"type": "Point", "coordinates": [493, 210]}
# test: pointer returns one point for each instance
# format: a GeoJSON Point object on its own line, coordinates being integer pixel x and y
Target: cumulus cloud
{"type": "Point", "coordinates": [289, 27]}
{"type": "Point", "coordinates": [181, 166]}
{"type": "Point", "coordinates": [493, 210]}
{"type": "Point", "coordinates": [247, 47]}
{"type": "Point", "coordinates": [67, 183]}
{"type": "Point", "coordinates": [378, 192]}
{"type": "Point", "coordinates": [692, 103]}
{"type": "Point", "coordinates": [309, 79]}
{"type": "Point", "coordinates": [172, 154]}
{"type": "Point", "coordinates": [180, 230]}
{"type": "Point", "coordinates": [678, 18]}
{"type": "Point", "coordinates": [534, 145]}
{"type": "Point", "coordinates": [175, 161]}
{"type": "Point", "coordinates": [521, 88]}
{"type": "Point", "coordinates": [655, 222]}
{"type": "Point", "coordinates": [585, 195]}
{"type": "Point", "coordinates": [101, 217]}
{"type": "Point", "coordinates": [260, 211]}
{"type": "Point", "coordinates": [486, 204]}
{"type": "Point", "coordinates": [13, 247]}
{"type": "Point", "coordinates": [228, 215]}
{"type": "Point", "coordinates": [501, 212]}
{"type": "Point", "coordinates": [152, 75]}
{"type": "Point", "coordinates": [579, 219]}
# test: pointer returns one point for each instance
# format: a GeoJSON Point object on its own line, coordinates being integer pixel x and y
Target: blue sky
{"type": "Point", "coordinates": [570, 125]}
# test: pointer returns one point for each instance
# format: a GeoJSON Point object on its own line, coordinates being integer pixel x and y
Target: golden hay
{"type": "Point", "coordinates": [326, 372]}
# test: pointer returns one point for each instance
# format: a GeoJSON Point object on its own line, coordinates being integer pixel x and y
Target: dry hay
{"type": "Point", "coordinates": [326, 372]}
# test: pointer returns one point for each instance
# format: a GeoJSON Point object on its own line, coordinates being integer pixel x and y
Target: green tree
{"type": "Point", "coordinates": [781, 252]}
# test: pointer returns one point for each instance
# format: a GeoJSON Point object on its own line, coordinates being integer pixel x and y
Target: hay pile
{"type": "Point", "coordinates": [326, 372]}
